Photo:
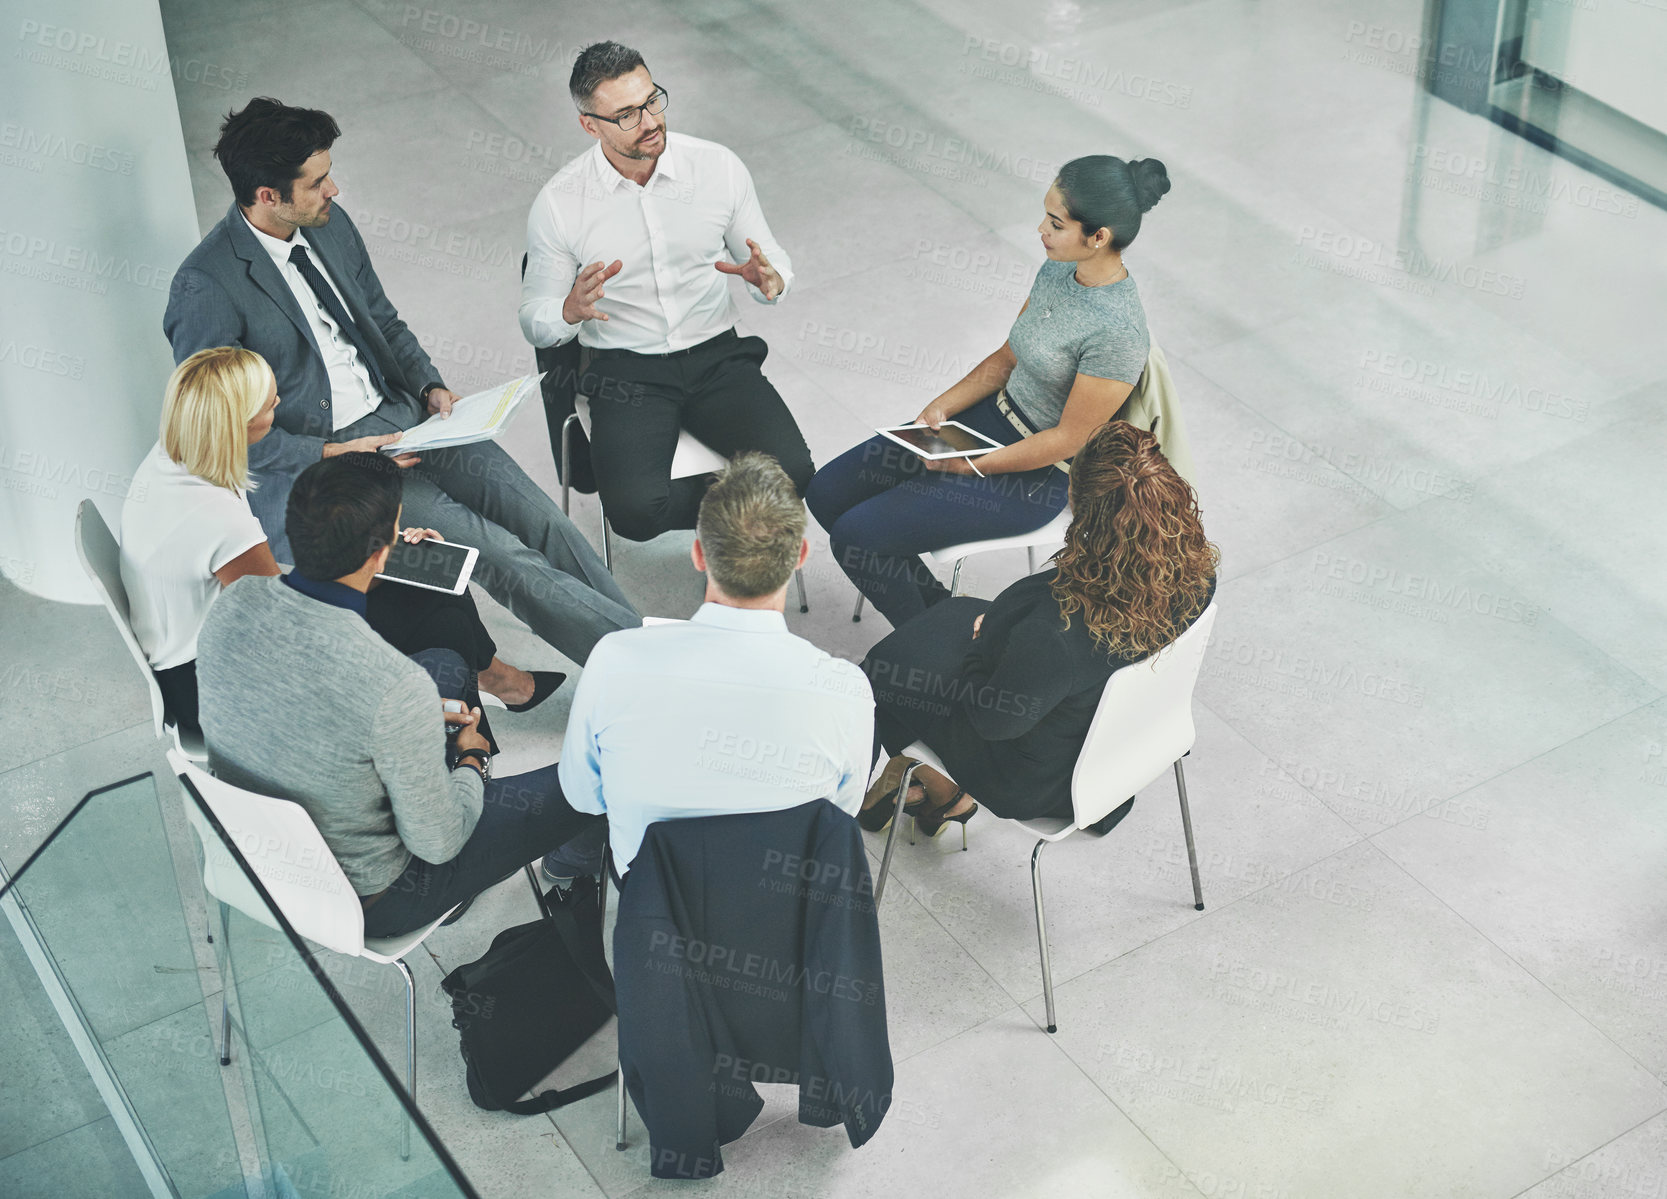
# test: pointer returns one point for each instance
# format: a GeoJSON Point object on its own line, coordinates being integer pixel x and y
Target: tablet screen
{"type": "Point", "coordinates": [435, 564]}
{"type": "Point", "coordinates": [947, 439]}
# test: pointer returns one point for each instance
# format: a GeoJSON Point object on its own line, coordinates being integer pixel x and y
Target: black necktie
{"type": "Point", "coordinates": [326, 296]}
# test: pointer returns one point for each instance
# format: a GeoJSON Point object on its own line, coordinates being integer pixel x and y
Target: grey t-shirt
{"type": "Point", "coordinates": [1072, 330]}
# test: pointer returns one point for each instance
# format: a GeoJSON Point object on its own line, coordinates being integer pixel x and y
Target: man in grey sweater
{"type": "Point", "coordinates": [300, 699]}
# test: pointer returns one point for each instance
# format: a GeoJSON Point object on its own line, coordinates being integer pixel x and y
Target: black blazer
{"type": "Point", "coordinates": [748, 950]}
{"type": "Point", "coordinates": [561, 366]}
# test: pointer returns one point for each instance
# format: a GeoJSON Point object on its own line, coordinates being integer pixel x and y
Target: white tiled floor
{"type": "Point", "coordinates": [1429, 783]}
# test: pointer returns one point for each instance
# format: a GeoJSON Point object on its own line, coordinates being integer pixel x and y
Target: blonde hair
{"type": "Point", "coordinates": [211, 398]}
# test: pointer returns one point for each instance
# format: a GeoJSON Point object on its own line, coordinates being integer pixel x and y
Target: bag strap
{"type": "Point", "coordinates": [566, 922]}
{"type": "Point", "coordinates": [552, 1099]}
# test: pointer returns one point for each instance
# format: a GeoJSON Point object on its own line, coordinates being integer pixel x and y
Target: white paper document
{"type": "Point", "coordinates": [478, 417]}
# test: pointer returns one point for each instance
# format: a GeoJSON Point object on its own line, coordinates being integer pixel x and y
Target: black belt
{"type": "Point", "coordinates": [726, 335]}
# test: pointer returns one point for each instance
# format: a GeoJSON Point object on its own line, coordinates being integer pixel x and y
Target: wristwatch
{"type": "Point", "coordinates": [484, 765]}
{"type": "Point", "coordinates": [422, 395]}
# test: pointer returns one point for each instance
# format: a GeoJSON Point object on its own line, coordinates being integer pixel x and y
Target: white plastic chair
{"type": "Point", "coordinates": [1143, 723]}
{"type": "Point", "coordinates": [692, 457]}
{"type": "Point", "coordinates": [289, 855]}
{"type": "Point", "coordinates": [100, 557]}
{"type": "Point", "coordinates": [1050, 534]}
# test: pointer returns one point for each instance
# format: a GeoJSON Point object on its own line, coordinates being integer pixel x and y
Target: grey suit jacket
{"type": "Point", "coordinates": [229, 293]}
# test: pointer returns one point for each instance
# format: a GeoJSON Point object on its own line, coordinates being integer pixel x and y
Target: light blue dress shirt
{"type": "Point", "coordinates": [727, 712]}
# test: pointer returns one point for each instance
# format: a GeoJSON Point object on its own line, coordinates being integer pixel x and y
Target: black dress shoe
{"type": "Point", "coordinates": [1111, 819]}
{"type": "Point", "coordinates": [545, 684]}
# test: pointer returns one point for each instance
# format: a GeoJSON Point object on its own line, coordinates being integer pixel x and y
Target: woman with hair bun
{"type": "Point", "coordinates": [1069, 364]}
{"type": "Point", "coordinates": [1004, 691]}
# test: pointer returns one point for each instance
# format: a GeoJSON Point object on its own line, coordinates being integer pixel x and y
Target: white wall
{"type": "Point", "coordinates": [1613, 50]}
{"type": "Point", "coordinates": [95, 215]}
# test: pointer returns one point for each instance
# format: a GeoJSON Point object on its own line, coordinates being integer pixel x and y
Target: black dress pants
{"type": "Point", "coordinates": [638, 404]}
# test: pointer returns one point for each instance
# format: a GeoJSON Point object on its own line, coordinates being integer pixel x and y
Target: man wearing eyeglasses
{"type": "Point", "coordinates": [628, 249]}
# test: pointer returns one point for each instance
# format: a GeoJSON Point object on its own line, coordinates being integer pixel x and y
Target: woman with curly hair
{"type": "Point", "coordinates": [1004, 690]}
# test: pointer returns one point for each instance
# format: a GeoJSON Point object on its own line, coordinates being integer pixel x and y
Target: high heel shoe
{"type": "Point", "coordinates": [931, 821]}
{"type": "Point", "coordinates": [879, 805]}
{"type": "Point", "coordinates": [545, 684]}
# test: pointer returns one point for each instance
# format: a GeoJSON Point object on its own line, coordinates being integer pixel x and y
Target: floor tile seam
{"type": "Point", "coordinates": [1660, 1082]}
{"type": "Point", "coordinates": [1053, 1040]}
{"type": "Point", "coordinates": [1590, 1152]}
{"type": "Point", "coordinates": [1505, 770]}
{"type": "Point", "coordinates": [68, 749]}
{"type": "Point", "coordinates": [58, 1136]}
{"type": "Point", "coordinates": [959, 944]}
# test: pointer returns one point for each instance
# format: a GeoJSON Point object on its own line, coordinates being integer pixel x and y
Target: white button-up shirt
{"type": "Point", "coordinates": [352, 394]}
{"type": "Point", "coordinates": [697, 208]}
{"type": "Point", "coordinates": [725, 713]}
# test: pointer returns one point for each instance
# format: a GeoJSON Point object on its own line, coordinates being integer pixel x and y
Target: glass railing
{"type": "Point", "coordinates": [111, 1081]}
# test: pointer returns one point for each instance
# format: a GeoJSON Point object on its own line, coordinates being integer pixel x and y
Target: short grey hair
{"type": "Point", "coordinates": [750, 527]}
{"type": "Point", "coordinates": [597, 63]}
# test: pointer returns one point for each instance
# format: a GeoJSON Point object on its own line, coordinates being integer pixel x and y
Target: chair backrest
{"type": "Point", "coordinates": [101, 558]}
{"type": "Point", "coordinates": [1142, 725]}
{"type": "Point", "coordinates": [287, 853]}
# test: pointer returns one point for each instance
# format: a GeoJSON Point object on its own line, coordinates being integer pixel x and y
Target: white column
{"type": "Point", "coordinates": [95, 215]}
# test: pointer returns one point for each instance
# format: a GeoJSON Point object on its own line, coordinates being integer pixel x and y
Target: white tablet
{"type": "Point", "coordinates": [951, 439]}
{"type": "Point", "coordinates": [434, 565]}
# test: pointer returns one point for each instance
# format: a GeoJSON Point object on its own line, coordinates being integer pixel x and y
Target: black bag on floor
{"type": "Point", "coordinates": [541, 991]}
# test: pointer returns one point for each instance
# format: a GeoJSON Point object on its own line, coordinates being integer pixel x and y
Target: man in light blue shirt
{"type": "Point", "coordinates": [727, 712]}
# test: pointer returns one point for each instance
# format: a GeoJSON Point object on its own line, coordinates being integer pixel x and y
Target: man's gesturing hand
{"type": "Point", "coordinates": [756, 270]}
{"type": "Point", "coordinates": [580, 304]}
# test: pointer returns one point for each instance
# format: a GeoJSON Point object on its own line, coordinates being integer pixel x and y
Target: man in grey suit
{"type": "Point", "coordinates": [286, 274]}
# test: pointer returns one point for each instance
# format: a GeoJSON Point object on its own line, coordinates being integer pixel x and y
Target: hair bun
{"type": "Point", "coordinates": [1151, 181]}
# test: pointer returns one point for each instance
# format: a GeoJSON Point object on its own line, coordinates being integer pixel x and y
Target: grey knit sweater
{"type": "Point", "coordinates": [300, 699]}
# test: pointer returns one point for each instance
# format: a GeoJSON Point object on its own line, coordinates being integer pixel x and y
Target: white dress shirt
{"type": "Point", "coordinates": [697, 208]}
{"type": "Point", "coordinates": [724, 713]}
{"type": "Point", "coordinates": [352, 394]}
{"type": "Point", "coordinates": [177, 530]}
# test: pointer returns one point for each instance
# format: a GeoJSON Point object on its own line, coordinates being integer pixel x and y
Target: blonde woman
{"type": "Point", "coordinates": [187, 533]}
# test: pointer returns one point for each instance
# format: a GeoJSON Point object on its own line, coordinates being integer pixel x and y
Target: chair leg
{"type": "Point", "coordinates": [1186, 827]}
{"type": "Point", "coordinates": [602, 897]}
{"type": "Point", "coordinates": [538, 892]}
{"type": "Point", "coordinates": [955, 578]}
{"type": "Point", "coordinates": [410, 1059]}
{"type": "Point", "coordinates": [804, 603]}
{"type": "Point", "coordinates": [607, 544]}
{"type": "Point", "coordinates": [1030, 557]}
{"type": "Point", "coordinates": [225, 983]}
{"type": "Point", "coordinates": [619, 1114]}
{"type": "Point", "coordinates": [891, 838]}
{"type": "Point", "coordinates": [856, 613]}
{"type": "Point", "coordinates": [1042, 931]}
{"type": "Point", "coordinates": [567, 461]}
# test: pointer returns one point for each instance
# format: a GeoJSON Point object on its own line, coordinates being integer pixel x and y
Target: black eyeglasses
{"type": "Point", "coordinates": [633, 117]}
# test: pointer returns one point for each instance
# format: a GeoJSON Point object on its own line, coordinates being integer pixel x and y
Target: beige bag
{"type": "Point", "coordinates": [1154, 406]}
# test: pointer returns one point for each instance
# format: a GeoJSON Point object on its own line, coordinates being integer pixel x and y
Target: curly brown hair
{"type": "Point", "coordinates": [1135, 559]}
